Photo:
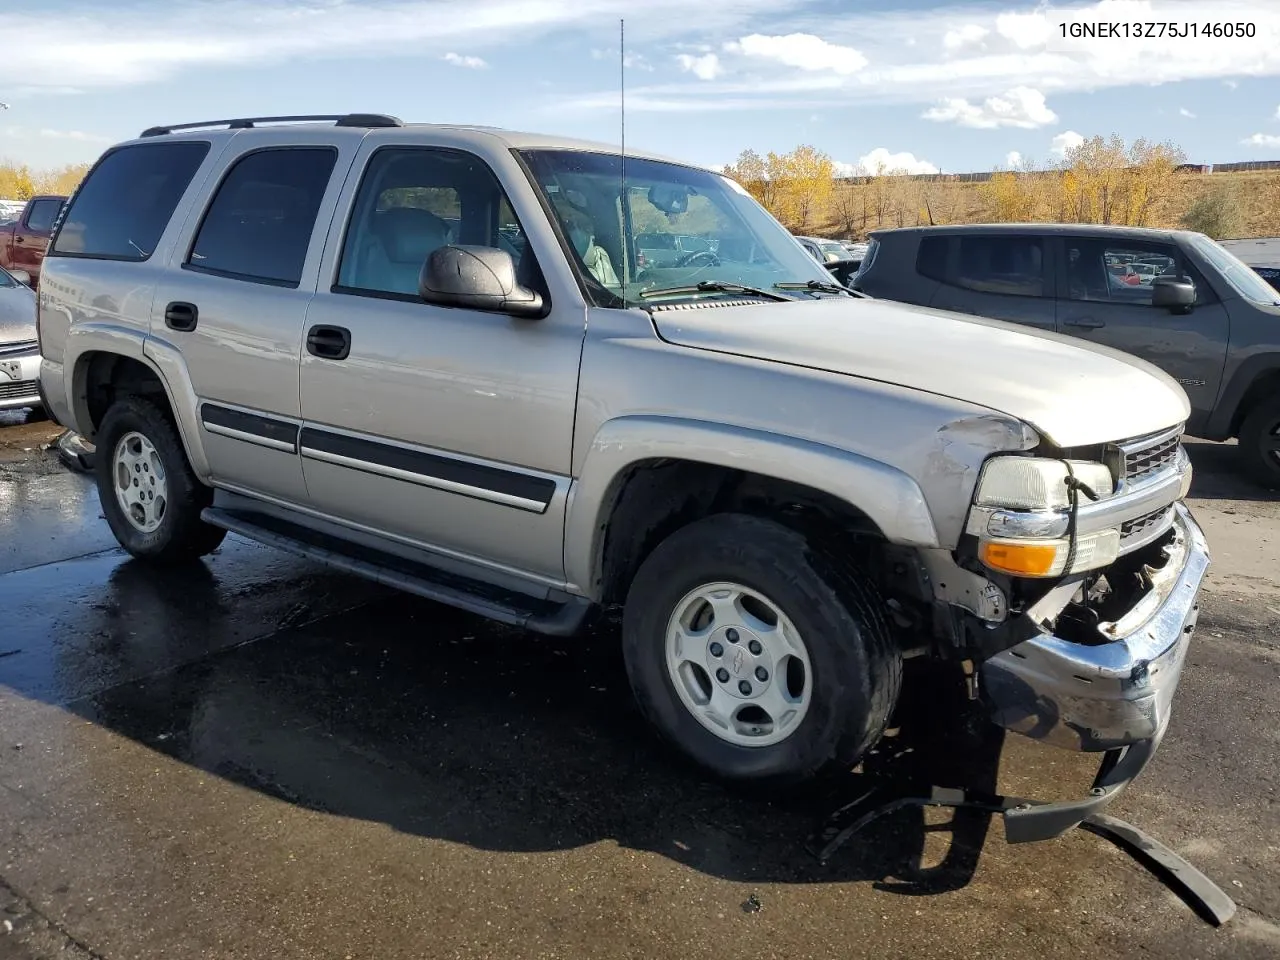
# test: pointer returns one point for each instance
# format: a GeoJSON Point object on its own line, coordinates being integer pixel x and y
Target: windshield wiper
{"type": "Point", "coordinates": [821, 286]}
{"type": "Point", "coordinates": [715, 286]}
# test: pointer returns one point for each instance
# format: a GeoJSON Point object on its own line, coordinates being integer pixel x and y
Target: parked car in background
{"type": "Point", "coordinates": [787, 489]}
{"type": "Point", "coordinates": [23, 243]}
{"type": "Point", "coordinates": [1210, 321]}
{"type": "Point", "coordinates": [19, 350]}
{"type": "Point", "coordinates": [1262, 254]}
{"type": "Point", "coordinates": [824, 251]}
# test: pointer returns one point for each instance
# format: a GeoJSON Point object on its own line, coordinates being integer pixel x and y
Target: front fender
{"type": "Point", "coordinates": [891, 498]}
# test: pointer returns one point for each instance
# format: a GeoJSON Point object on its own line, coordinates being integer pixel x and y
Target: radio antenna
{"type": "Point", "coordinates": [622, 114]}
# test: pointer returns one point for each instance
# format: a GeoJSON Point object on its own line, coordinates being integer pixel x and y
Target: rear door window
{"type": "Point", "coordinates": [123, 206]}
{"type": "Point", "coordinates": [1010, 265]}
{"type": "Point", "coordinates": [258, 227]}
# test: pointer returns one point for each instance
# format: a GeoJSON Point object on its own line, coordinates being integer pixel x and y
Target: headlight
{"type": "Point", "coordinates": [1032, 483]}
{"type": "Point", "coordinates": [1023, 514]}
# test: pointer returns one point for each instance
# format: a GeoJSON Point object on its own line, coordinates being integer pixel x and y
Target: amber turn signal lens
{"type": "Point", "coordinates": [1021, 559]}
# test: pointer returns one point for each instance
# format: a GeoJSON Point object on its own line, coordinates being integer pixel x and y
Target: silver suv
{"type": "Point", "coordinates": [430, 355]}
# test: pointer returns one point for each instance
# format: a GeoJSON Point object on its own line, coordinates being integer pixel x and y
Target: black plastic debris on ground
{"type": "Point", "coordinates": [74, 451]}
{"type": "Point", "coordinates": [752, 904]}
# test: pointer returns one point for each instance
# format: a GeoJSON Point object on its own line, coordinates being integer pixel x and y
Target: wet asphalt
{"type": "Point", "coordinates": [258, 757]}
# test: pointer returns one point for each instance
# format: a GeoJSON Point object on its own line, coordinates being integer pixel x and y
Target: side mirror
{"type": "Point", "coordinates": [477, 278]}
{"type": "Point", "coordinates": [1173, 293]}
{"type": "Point", "coordinates": [21, 276]}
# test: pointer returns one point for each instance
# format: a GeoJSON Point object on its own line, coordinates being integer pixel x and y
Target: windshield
{"type": "Point", "coordinates": [1242, 278]}
{"type": "Point", "coordinates": [669, 226]}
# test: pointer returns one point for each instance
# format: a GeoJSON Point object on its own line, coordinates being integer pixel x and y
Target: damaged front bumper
{"type": "Point", "coordinates": [1113, 696]}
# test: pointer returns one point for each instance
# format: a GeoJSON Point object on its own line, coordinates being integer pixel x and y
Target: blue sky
{"type": "Point", "coordinates": [921, 84]}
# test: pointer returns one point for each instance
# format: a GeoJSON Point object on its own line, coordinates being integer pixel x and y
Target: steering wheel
{"type": "Point", "coordinates": [691, 259]}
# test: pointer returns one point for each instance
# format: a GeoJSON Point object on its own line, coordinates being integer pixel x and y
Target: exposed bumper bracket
{"type": "Point", "coordinates": [1031, 820]}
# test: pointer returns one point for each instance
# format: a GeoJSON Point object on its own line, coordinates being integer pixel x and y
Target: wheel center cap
{"type": "Point", "coordinates": [738, 662]}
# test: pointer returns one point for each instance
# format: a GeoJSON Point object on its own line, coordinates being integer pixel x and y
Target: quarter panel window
{"type": "Point", "coordinates": [259, 225]}
{"type": "Point", "coordinates": [931, 258]}
{"type": "Point", "coordinates": [123, 206]}
{"type": "Point", "coordinates": [414, 200]}
{"type": "Point", "coordinates": [1010, 264]}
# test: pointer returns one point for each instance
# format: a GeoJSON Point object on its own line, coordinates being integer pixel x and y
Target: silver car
{"type": "Point", "coordinates": [432, 355]}
{"type": "Point", "coordinates": [19, 351]}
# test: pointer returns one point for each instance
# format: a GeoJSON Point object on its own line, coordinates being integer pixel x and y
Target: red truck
{"type": "Point", "coordinates": [24, 241]}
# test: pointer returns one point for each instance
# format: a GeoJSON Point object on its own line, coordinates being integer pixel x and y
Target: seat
{"type": "Point", "coordinates": [400, 241]}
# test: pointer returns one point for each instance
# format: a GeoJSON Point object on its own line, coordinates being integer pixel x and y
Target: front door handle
{"type": "Point", "coordinates": [19, 239]}
{"type": "Point", "coordinates": [331, 343]}
{"type": "Point", "coordinates": [181, 316]}
{"type": "Point", "coordinates": [1087, 322]}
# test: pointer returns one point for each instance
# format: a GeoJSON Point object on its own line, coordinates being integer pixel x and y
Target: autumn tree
{"type": "Point", "coordinates": [1216, 213]}
{"type": "Point", "coordinates": [16, 182]}
{"type": "Point", "coordinates": [752, 171]}
{"type": "Point", "coordinates": [808, 178]}
{"type": "Point", "coordinates": [1105, 181]}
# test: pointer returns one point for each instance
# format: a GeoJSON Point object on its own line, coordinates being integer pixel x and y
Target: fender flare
{"type": "Point", "coordinates": [1224, 412]}
{"type": "Point", "coordinates": [160, 357]}
{"type": "Point", "coordinates": [891, 498]}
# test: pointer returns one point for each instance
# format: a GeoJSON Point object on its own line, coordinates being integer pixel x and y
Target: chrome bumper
{"type": "Point", "coordinates": [1116, 693]}
{"type": "Point", "coordinates": [19, 375]}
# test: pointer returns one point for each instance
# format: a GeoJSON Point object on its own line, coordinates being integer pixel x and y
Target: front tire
{"type": "Point", "coordinates": [759, 656]}
{"type": "Point", "coordinates": [149, 495]}
{"type": "Point", "coordinates": [1260, 442]}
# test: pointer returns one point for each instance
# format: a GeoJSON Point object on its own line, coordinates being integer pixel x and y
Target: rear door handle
{"type": "Point", "coordinates": [1087, 322]}
{"type": "Point", "coordinates": [19, 239]}
{"type": "Point", "coordinates": [181, 316]}
{"type": "Point", "coordinates": [331, 343]}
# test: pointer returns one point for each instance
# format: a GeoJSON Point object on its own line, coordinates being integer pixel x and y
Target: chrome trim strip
{"type": "Point", "coordinates": [479, 493]}
{"type": "Point", "coordinates": [248, 437]}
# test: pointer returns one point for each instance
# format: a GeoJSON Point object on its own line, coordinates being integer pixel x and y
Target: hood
{"type": "Point", "coordinates": [17, 314]}
{"type": "Point", "coordinates": [1071, 392]}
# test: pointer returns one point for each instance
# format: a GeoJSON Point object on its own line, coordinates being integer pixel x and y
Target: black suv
{"type": "Point", "coordinates": [1174, 298]}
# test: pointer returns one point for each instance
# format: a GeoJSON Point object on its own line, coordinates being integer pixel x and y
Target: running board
{"type": "Point", "coordinates": [553, 617]}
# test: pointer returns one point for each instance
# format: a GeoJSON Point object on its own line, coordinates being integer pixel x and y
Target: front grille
{"type": "Point", "coordinates": [19, 390]}
{"type": "Point", "coordinates": [22, 346]}
{"type": "Point", "coordinates": [1140, 527]}
{"type": "Point", "coordinates": [1143, 459]}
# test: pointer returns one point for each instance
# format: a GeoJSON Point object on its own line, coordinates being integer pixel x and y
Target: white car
{"type": "Point", "coordinates": [19, 350]}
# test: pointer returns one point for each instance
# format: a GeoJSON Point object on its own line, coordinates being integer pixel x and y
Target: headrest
{"type": "Point", "coordinates": [409, 234]}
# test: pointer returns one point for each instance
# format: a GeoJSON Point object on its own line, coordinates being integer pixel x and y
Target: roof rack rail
{"type": "Point", "coordinates": [244, 123]}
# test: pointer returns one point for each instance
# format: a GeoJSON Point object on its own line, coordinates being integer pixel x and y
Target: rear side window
{"type": "Point", "coordinates": [1012, 265]}
{"type": "Point", "coordinates": [122, 208]}
{"type": "Point", "coordinates": [931, 259]}
{"type": "Point", "coordinates": [259, 225]}
{"type": "Point", "coordinates": [42, 215]}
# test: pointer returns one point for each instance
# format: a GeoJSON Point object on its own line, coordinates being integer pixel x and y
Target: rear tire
{"type": "Point", "coordinates": [1260, 442]}
{"type": "Point", "coordinates": [692, 657]}
{"type": "Point", "coordinates": [149, 495]}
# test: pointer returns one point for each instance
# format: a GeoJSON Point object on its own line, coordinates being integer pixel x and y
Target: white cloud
{"type": "Point", "coordinates": [1019, 107]}
{"type": "Point", "coordinates": [1025, 30]}
{"type": "Point", "coordinates": [1230, 84]}
{"type": "Point", "coordinates": [472, 63]}
{"type": "Point", "coordinates": [881, 159]}
{"type": "Point", "coordinates": [1065, 142]}
{"type": "Point", "coordinates": [1278, 113]}
{"type": "Point", "coordinates": [1262, 140]}
{"type": "Point", "coordinates": [1012, 159]}
{"type": "Point", "coordinates": [804, 51]}
{"type": "Point", "coordinates": [1183, 111]}
{"type": "Point", "coordinates": [967, 36]}
{"type": "Point", "coordinates": [632, 61]}
{"type": "Point", "coordinates": [705, 67]}
{"type": "Point", "coordinates": [48, 133]}
{"type": "Point", "coordinates": [124, 44]}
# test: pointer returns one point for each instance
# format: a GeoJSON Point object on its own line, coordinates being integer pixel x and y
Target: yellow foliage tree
{"type": "Point", "coordinates": [16, 182]}
{"type": "Point", "coordinates": [795, 187]}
